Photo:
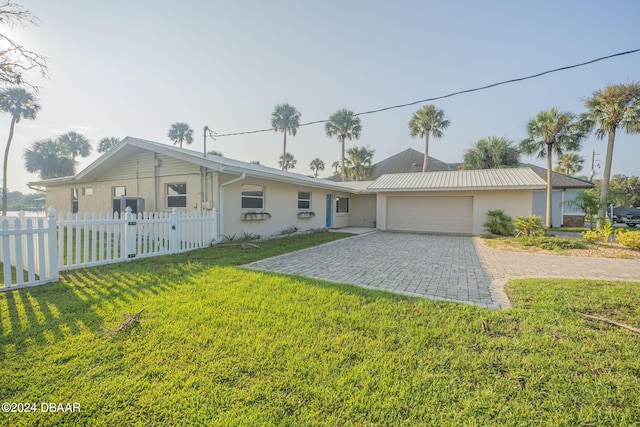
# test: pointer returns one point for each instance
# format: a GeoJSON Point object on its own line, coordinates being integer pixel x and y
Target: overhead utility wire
{"type": "Point", "coordinates": [449, 95]}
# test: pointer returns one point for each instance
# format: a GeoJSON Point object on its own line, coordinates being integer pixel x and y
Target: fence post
{"type": "Point", "coordinates": [174, 233]}
{"type": "Point", "coordinates": [214, 226]}
{"type": "Point", "coordinates": [129, 235]}
{"type": "Point", "coordinates": [52, 270]}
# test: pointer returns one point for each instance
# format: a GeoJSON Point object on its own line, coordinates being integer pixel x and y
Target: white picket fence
{"type": "Point", "coordinates": [37, 254]}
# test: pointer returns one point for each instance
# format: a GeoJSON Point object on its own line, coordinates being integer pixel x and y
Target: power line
{"type": "Point", "coordinates": [449, 95]}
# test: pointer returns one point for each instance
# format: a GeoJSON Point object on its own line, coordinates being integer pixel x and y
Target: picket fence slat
{"type": "Point", "coordinates": [34, 255]}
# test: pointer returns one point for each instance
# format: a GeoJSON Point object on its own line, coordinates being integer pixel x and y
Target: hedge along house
{"type": "Point", "coordinates": [154, 177]}
{"type": "Point", "coordinates": [452, 201]}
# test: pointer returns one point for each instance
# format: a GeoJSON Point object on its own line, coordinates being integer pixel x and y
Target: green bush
{"type": "Point", "coordinates": [529, 226]}
{"type": "Point", "coordinates": [590, 236]}
{"type": "Point", "coordinates": [499, 223]}
{"type": "Point", "coordinates": [630, 239]}
{"type": "Point", "coordinates": [552, 243]}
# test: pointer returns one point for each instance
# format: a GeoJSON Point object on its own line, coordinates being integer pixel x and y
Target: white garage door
{"type": "Point", "coordinates": [432, 214]}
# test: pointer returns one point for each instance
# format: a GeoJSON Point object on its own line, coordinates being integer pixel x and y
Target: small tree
{"type": "Point", "coordinates": [589, 202]}
{"type": "Point", "coordinates": [316, 165]}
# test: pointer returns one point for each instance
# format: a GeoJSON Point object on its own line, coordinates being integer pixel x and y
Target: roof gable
{"type": "Point", "coordinates": [213, 162]}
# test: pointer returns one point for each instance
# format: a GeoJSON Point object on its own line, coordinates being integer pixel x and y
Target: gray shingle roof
{"type": "Point", "coordinates": [558, 180]}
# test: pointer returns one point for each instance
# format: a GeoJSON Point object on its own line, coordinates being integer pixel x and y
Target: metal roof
{"type": "Point", "coordinates": [217, 163]}
{"type": "Point", "coordinates": [484, 179]}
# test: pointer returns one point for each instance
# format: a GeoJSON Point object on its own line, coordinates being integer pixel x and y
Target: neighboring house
{"type": "Point", "coordinates": [261, 200]}
{"type": "Point", "coordinates": [564, 188]}
{"type": "Point", "coordinates": [406, 161]}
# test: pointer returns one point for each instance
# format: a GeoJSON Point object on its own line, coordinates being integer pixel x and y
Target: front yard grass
{"type": "Point", "coordinates": [219, 345]}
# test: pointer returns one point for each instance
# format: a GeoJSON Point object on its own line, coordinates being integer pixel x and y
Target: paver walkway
{"type": "Point", "coordinates": [440, 267]}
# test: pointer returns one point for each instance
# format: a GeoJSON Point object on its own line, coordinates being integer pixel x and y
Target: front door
{"type": "Point", "coordinates": [329, 210]}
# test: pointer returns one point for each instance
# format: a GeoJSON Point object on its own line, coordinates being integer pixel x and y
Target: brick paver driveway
{"type": "Point", "coordinates": [441, 267]}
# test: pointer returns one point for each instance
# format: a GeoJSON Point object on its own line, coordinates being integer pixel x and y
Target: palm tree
{"type": "Point", "coordinates": [20, 104]}
{"type": "Point", "coordinates": [569, 164]}
{"type": "Point", "coordinates": [588, 202]}
{"type": "Point", "coordinates": [552, 131]}
{"type": "Point", "coordinates": [107, 144]}
{"type": "Point", "coordinates": [360, 162]}
{"type": "Point", "coordinates": [316, 166]}
{"type": "Point", "coordinates": [286, 119]}
{"type": "Point", "coordinates": [179, 133]}
{"type": "Point", "coordinates": [615, 107]}
{"type": "Point", "coordinates": [335, 165]}
{"type": "Point", "coordinates": [427, 120]}
{"type": "Point", "coordinates": [287, 161]}
{"type": "Point", "coordinates": [49, 158]}
{"type": "Point", "coordinates": [345, 125]}
{"type": "Point", "coordinates": [77, 144]}
{"type": "Point", "coordinates": [491, 153]}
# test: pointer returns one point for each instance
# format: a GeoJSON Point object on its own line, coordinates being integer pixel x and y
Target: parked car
{"type": "Point", "coordinates": [626, 215]}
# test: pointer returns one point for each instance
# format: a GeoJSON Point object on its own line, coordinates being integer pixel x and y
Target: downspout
{"type": "Point", "coordinates": [562, 207]}
{"type": "Point", "coordinates": [221, 210]}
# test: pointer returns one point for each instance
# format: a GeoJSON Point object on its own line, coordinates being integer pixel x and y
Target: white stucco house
{"type": "Point", "coordinates": [261, 200]}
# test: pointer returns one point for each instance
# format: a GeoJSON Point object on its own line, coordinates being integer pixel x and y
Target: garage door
{"type": "Point", "coordinates": [432, 214]}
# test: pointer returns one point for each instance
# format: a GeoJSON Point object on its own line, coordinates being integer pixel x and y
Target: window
{"type": "Point", "coordinates": [87, 191]}
{"type": "Point", "coordinates": [342, 205]}
{"type": "Point", "coordinates": [304, 200]}
{"type": "Point", "coordinates": [74, 200]}
{"type": "Point", "coordinates": [177, 195]}
{"type": "Point", "coordinates": [252, 197]}
{"type": "Point", "coordinates": [118, 191]}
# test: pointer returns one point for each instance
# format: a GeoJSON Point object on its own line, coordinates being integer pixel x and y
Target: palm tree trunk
{"type": "Point", "coordinates": [4, 168]}
{"type": "Point", "coordinates": [342, 171]}
{"type": "Point", "coordinates": [606, 176]}
{"type": "Point", "coordinates": [547, 221]}
{"type": "Point", "coordinates": [284, 153]}
{"type": "Point", "coordinates": [426, 152]}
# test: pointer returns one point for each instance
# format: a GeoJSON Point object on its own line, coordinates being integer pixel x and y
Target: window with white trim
{"type": "Point", "coordinates": [118, 191]}
{"type": "Point", "coordinates": [252, 197]}
{"type": "Point", "coordinates": [342, 205]}
{"type": "Point", "coordinates": [74, 200]}
{"type": "Point", "coordinates": [176, 195]}
{"type": "Point", "coordinates": [87, 191]}
{"type": "Point", "coordinates": [304, 200]}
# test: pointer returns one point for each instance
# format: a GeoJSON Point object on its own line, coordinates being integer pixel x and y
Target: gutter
{"type": "Point", "coordinates": [221, 210]}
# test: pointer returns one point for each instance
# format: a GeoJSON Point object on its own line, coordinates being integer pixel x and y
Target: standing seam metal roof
{"type": "Point", "coordinates": [463, 179]}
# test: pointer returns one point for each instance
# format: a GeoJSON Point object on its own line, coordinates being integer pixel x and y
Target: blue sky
{"type": "Point", "coordinates": [134, 67]}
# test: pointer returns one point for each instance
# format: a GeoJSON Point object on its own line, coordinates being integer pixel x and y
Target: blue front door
{"type": "Point", "coordinates": [329, 209]}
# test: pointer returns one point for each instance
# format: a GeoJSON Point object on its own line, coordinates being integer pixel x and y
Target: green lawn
{"type": "Point", "coordinates": [218, 345]}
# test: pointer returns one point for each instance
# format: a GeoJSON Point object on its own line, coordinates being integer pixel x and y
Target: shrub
{"type": "Point", "coordinates": [606, 231]}
{"type": "Point", "coordinates": [591, 236]}
{"type": "Point", "coordinates": [499, 223]}
{"type": "Point", "coordinates": [529, 226]}
{"type": "Point", "coordinates": [551, 243]}
{"type": "Point", "coordinates": [630, 239]}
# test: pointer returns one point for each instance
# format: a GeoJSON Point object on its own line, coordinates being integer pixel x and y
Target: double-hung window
{"type": "Point", "coordinates": [252, 197]}
{"type": "Point", "coordinates": [304, 200]}
{"type": "Point", "coordinates": [176, 195]}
